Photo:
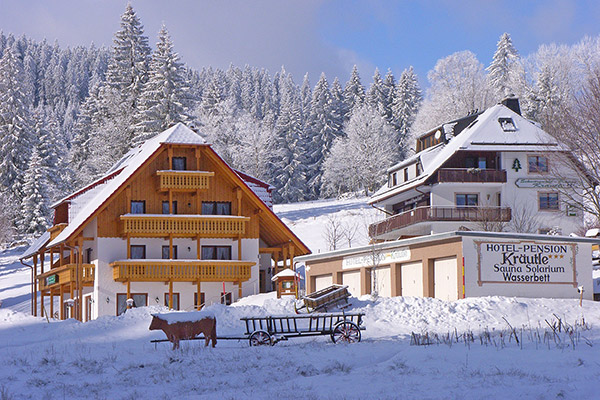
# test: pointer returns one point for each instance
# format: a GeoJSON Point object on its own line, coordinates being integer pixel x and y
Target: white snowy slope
{"type": "Point", "coordinates": [112, 357]}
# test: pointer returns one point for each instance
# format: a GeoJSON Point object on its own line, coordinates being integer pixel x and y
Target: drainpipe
{"type": "Point", "coordinates": [33, 291]}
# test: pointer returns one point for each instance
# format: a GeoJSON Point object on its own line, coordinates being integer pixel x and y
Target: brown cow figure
{"type": "Point", "coordinates": [186, 330]}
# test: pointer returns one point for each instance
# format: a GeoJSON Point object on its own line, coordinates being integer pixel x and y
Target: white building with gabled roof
{"type": "Point", "coordinates": [489, 170]}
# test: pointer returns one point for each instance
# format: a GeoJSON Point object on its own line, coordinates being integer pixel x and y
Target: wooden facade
{"type": "Point", "coordinates": [157, 200]}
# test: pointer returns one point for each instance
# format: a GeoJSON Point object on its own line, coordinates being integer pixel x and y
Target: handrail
{"type": "Point", "coordinates": [439, 213]}
{"type": "Point", "coordinates": [182, 270]}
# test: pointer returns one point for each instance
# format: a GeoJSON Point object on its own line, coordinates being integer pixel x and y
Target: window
{"type": "Point", "coordinates": [138, 252]}
{"type": "Point", "coordinates": [393, 179]}
{"type": "Point", "coordinates": [287, 285]}
{"type": "Point", "coordinates": [138, 207]}
{"type": "Point", "coordinates": [179, 163]}
{"type": "Point", "coordinates": [216, 208]}
{"type": "Point", "coordinates": [198, 306]}
{"type": "Point", "coordinates": [139, 300]}
{"type": "Point", "coordinates": [405, 174]}
{"type": "Point", "coordinates": [467, 199]}
{"type": "Point", "coordinates": [165, 253]}
{"type": "Point", "coordinates": [216, 252]}
{"type": "Point", "coordinates": [537, 164]}
{"type": "Point", "coordinates": [175, 301]}
{"type": "Point", "coordinates": [548, 201]}
{"type": "Point", "coordinates": [165, 207]}
{"type": "Point", "coordinates": [507, 124]}
{"type": "Point", "coordinates": [476, 162]}
{"type": "Point", "coordinates": [226, 298]}
{"type": "Point", "coordinates": [88, 256]}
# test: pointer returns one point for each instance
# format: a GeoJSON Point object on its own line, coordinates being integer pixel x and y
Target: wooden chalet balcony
{"type": "Point", "coordinates": [181, 270]}
{"type": "Point", "coordinates": [66, 274]}
{"type": "Point", "coordinates": [423, 214]}
{"type": "Point", "coordinates": [471, 175]}
{"type": "Point", "coordinates": [159, 225]}
{"type": "Point", "coordinates": [183, 181]}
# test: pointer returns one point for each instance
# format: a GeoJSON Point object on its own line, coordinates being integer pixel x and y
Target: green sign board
{"type": "Point", "coordinates": [51, 280]}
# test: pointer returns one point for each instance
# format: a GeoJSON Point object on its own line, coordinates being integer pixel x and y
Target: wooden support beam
{"type": "Point", "coordinates": [62, 301]}
{"type": "Point", "coordinates": [51, 304]}
{"type": "Point", "coordinates": [171, 246]}
{"type": "Point", "coordinates": [198, 296]}
{"type": "Point", "coordinates": [171, 294]}
{"type": "Point", "coordinates": [239, 290]}
{"type": "Point", "coordinates": [238, 193]}
{"type": "Point", "coordinates": [61, 256]}
{"type": "Point", "coordinates": [79, 275]}
{"type": "Point", "coordinates": [270, 250]}
{"type": "Point", "coordinates": [41, 304]}
{"type": "Point", "coordinates": [239, 242]}
{"type": "Point", "coordinates": [128, 247]}
{"type": "Point", "coordinates": [34, 294]}
{"type": "Point", "coordinates": [128, 292]}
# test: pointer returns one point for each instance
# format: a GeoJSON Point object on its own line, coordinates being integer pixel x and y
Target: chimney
{"type": "Point", "coordinates": [512, 103]}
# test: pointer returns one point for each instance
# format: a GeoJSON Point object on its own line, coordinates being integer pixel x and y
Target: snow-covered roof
{"type": "Point", "coordinates": [485, 133]}
{"type": "Point", "coordinates": [36, 245]}
{"type": "Point", "coordinates": [260, 188]}
{"type": "Point", "coordinates": [286, 273]}
{"type": "Point", "coordinates": [177, 134]}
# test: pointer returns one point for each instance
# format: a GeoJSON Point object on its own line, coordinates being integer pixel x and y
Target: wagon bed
{"type": "Point", "coordinates": [325, 298]}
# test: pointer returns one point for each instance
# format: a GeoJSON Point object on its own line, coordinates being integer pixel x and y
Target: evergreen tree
{"type": "Point", "coordinates": [289, 164]}
{"type": "Point", "coordinates": [502, 68]}
{"type": "Point", "coordinates": [337, 106]}
{"type": "Point", "coordinates": [376, 96]}
{"type": "Point", "coordinates": [34, 206]}
{"type": "Point", "coordinates": [15, 125]}
{"type": "Point", "coordinates": [323, 130]}
{"type": "Point", "coordinates": [406, 102]}
{"type": "Point", "coordinates": [164, 100]}
{"type": "Point", "coordinates": [389, 89]}
{"type": "Point", "coordinates": [354, 93]}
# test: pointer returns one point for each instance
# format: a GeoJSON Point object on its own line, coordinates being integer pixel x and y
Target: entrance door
{"type": "Point", "coordinates": [383, 281]}
{"type": "Point", "coordinates": [412, 279]}
{"type": "Point", "coordinates": [352, 280]}
{"type": "Point", "coordinates": [445, 273]}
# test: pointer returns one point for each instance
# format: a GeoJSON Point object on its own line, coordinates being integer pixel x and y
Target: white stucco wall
{"type": "Point", "coordinates": [112, 249]}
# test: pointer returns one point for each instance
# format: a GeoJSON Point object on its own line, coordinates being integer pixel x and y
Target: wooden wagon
{"type": "Point", "coordinates": [341, 327]}
{"type": "Point", "coordinates": [325, 298]}
{"type": "Point", "coordinates": [268, 330]}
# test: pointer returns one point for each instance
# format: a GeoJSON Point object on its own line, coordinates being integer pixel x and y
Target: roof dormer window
{"type": "Point", "coordinates": [507, 124]}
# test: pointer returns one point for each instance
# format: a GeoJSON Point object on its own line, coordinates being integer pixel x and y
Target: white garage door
{"type": "Point", "coordinates": [412, 279]}
{"type": "Point", "coordinates": [382, 278]}
{"type": "Point", "coordinates": [323, 281]}
{"type": "Point", "coordinates": [352, 280]}
{"type": "Point", "coordinates": [445, 272]}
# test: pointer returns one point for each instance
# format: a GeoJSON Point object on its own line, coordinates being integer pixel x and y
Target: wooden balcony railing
{"type": "Point", "coordinates": [422, 214]}
{"type": "Point", "coordinates": [157, 225]}
{"type": "Point", "coordinates": [181, 270]}
{"type": "Point", "coordinates": [66, 274]}
{"type": "Point", "coordinates": [183, 181]}
{"type": "Point", "coordinates": [471, 175]}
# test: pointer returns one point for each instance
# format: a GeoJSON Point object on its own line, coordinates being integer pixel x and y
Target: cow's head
{"type": "Point", "coordinates": [156, 323]}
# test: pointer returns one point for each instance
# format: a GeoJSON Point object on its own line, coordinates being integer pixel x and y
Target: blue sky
{"type": "Point", "coordinates": [314, 35]}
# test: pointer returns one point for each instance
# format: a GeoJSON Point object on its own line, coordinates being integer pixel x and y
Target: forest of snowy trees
{"type": "Point", "coordinates": [68, 114]}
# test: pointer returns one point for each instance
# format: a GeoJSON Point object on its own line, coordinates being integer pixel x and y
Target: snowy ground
{"type": "Point", "coordinates": [472, 353]}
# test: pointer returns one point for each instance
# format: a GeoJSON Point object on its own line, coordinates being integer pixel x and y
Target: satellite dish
{"type": "Point", "coordinates": [438, 135]}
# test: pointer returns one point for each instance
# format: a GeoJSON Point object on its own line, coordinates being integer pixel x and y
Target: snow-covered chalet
{"type": "Point", "coordinates": [490, 167]}
{"type": "Point", "coordinates": [169, 224]}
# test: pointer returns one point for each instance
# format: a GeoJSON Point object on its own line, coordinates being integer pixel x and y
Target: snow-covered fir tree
{"type": "Point", "coordinates": [164, 100]}
{"type": "Point", "coordinates": [323, 131]}
{"type": "Point", "coordinates": [15, 125]}
{"type": "Point", "coordinates": [34, 205]}
{"type": "Point", "coordinates": [376, 96]}
{"type": "Point", "coordinates": [289, 162]}
{"type": "Point", "coordinates": [354, 93]}
{"type": "Point", "coordinates": [406, 101]}
{"type": "Point", "coordinates": [502, 70]}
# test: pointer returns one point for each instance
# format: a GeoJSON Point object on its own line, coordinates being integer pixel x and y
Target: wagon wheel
{"type": "Point", "coordinates": [260, 338]}
{"type": "Point", "coordinates": [345, 331]}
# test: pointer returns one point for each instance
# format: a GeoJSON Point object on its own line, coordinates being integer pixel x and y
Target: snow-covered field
{"type": "Point", "coordinates": [472, 354]}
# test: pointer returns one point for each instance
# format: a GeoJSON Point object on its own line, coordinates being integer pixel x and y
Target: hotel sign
{"type": "Point", "coordinates": [526, 262]}
{"type": "Point", "coordinates": [545, 183]}
{"type": "Point", "coordinates": [377, 258]}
